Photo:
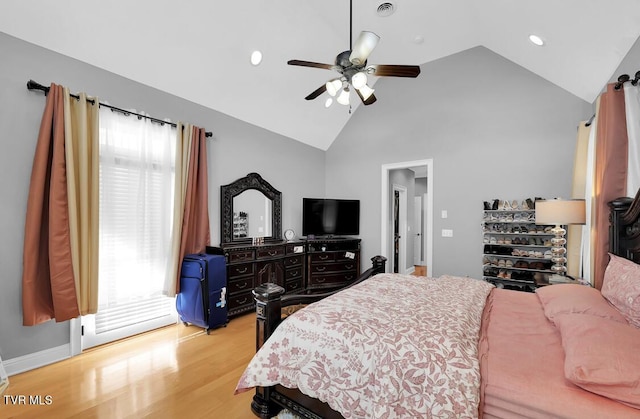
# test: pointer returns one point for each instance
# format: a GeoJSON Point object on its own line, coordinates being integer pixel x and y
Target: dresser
{"type": "Point", "coordinates": [331, 263]}
{"type": "Point", "coordinates": [248, 266]}
{"type": "Point", "coordinates": [304, 266]}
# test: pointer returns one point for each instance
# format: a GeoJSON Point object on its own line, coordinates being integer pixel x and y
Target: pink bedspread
{"type": "Point", "coordinates": [522, 362]}
{"type": "Point", "coordinates": [373, 351]}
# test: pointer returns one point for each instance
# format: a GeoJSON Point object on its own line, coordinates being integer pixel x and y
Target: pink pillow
{"type": "Point", "coordinates": [601, 356]}
{"type": "Point", "coordinates": [573, 298]}
{"type": "Point", "coordinates": [621, 286]}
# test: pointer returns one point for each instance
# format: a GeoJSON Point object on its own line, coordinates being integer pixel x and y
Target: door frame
{"type": "Point", "coordinates": [385, 232]}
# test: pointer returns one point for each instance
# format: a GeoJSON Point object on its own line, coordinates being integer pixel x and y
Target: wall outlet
{"type": "Point", "coordinates": [447, 233]}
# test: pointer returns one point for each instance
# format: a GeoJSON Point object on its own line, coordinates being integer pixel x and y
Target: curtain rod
{"type": "Point", "coordinates": [622, 79]}
{"type": "Point", "coordinates": [32, 85]}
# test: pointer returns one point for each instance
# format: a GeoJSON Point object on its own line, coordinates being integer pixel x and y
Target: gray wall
{"type": "Point", "coordinates": [493, 130]}
{"type": "Point", "coordinates": [237, 149]}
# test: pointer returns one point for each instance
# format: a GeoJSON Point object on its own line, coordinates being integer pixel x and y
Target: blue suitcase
{"type": "Point", "coordinates": [203, 291]}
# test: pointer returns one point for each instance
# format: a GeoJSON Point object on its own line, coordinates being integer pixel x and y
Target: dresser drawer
{"type": "Point", "coordinates": [323, 257]}
{"type": "Point", "coordinates": [236, 256]}
{"type": "Point", "coordinates": [348, 265]}
{"type": "Point", "coordinates": [293, 286]}
{"type": "Point", "coordinates": [293, 260]}
{"type": "Point", "coordinates": [241, 269]}
{"type": "Point", "coordinates": [239, 301]}
{"type": "Point", "coordinates": [269, 252]}
{"type": "Point", "coordinates": [291, 273]}
{"type": "Point", "coordinates": [331, 279]}
{"type": "Point", "coordinates": [240, 285]}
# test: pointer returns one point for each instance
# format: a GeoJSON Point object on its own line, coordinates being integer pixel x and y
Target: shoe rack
{"type": "Point", "coordinates": [516, 251]}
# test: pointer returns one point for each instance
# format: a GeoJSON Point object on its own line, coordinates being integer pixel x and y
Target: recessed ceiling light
{"type": "Point", "coordinates": [256, 57]}
{"type": "Point", "coordinates": [536, 40]}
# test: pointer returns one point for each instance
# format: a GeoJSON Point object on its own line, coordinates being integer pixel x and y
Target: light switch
{"type": "Point", "coordinates": [447, 233]}
{"type": "Point", "coordinates": [444, 214]}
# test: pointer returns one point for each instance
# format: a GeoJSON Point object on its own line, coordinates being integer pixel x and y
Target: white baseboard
{"type": "Point", "coordinates": [37, 359]}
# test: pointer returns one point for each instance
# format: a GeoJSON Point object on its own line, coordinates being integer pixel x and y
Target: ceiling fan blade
{"type": "Point", "coordinates": [320, 90]}
{"type": "Point", "coordinates": [310, 64]}
{"type": "Point", "coordinates": [394, 70]}
{"type": "Point", "coordinates": [363, 47]}
{"type": "Point", "coordinates": [371, 99]}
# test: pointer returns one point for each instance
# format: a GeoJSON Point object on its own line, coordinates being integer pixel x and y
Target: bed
{"type": "Point", "coordinates": [400, 346]}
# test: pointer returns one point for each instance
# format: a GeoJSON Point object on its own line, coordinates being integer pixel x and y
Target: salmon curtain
{"type": "Point", "coordinates": [601, 172]}
{"type": "Point", "coordinates": [610, 181]}
{"type": "Point", "coordinates": [191, 232]}
{"type": "Point", "coordinates": [48, 282]}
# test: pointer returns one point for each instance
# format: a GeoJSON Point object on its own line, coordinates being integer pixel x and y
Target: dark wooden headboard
{"type": "Point", "coordinates": [624, 228]}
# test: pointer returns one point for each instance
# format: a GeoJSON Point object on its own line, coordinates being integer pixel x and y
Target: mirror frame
{"type": "Point", "coordinates": [233, 189]}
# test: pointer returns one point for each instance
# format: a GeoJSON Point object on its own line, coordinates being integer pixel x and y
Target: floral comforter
{"type": "Point", "coordinates": [394, 346]}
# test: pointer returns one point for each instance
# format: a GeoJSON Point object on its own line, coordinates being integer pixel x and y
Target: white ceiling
{"type": "Point", "coordinates": [200, 49]}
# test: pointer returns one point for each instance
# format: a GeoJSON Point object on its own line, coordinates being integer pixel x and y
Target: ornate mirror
{"type": "Point", "coordinates": [250, 207]}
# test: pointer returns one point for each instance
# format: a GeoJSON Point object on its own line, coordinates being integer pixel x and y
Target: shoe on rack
{"type": "Point", "coordinates": [514, 205]}
{"type": "Point", "coordinates": [495, 204]}
{"type": "Point", "coordinates": [530, 204]}
{"type": "Point", "coordinates": [524, 206]}
{"type": "Point", "coordinates": [486, 205]}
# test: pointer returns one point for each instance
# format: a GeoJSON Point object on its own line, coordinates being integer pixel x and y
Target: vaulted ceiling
{"type": "Point", "coordinates": [200, 49]}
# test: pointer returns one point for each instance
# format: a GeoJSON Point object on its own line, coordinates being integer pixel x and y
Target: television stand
{"type": "Point", "coordinates": [332, 262]}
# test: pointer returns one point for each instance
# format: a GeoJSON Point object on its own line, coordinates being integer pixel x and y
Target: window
{"type": "Point", "coordinates": [136, 209]}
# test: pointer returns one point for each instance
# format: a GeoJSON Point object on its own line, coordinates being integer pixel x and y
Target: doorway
{"type": "Point", "coordinates": [400, 230]}
{"type": "Point", "coordinates": [410, 231]}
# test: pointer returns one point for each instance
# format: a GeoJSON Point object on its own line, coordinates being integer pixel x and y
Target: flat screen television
{"type": "Point", "coordinates": [330, 217]}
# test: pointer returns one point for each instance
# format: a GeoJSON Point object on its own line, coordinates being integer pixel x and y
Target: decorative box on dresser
{"type": "Point", "coordinates": [332, 263]}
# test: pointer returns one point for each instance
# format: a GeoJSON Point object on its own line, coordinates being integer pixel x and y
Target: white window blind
{"type": "Point", "coordinates": [136, 209]}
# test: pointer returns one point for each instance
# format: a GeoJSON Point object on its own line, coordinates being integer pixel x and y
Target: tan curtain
{"type": "Point", "coordinates": [81, 145]}
{"type": "Point", "coordinates": [183, 151]}
{"type": "Point", "coordinates": [48, 283]}
{"type": "Point", "coordinates": [610, 172]}
{"type": "Point", "coordinates": [574, 232]}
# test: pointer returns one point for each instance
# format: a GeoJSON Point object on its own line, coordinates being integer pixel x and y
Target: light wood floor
{"type": "Point", "coordinates": [174, 372]}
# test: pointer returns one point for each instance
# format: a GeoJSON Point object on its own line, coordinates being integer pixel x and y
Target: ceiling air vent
{"type": "Point", "coordinates": [386, 9]}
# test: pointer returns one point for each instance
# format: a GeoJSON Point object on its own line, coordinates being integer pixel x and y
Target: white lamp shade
{"type": "Point", "coordinates": [560, 212]}
{"type": "Point", "coordinates": [366, 92]}
{"type": "Point", "coordinates": [328, 102]}
{"type": "Point", "coordinates": [333, 86]}
{"type": "Point", "coordinates": [359, 80]}
{"type": "Point", "coordinates": [365, 43]}
{"type": "Point", "coordinates": [343, 99]}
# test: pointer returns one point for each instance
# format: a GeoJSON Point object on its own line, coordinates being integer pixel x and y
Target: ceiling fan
{"type": "Point", "coordinates": [353, 69]}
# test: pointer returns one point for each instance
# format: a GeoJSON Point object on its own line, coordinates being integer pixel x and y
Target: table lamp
{"type": "Point", "coordinates": [559, 212]}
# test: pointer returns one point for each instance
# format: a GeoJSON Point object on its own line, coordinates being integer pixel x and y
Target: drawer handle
{"type": "Point", "coordinates": [241, 271]}
{"type": "Point", "coordinates": [321, 279]}
{"type": "Point", "coordinates": [294, 287]}
{"type": "Point", "coordinates": [273, 253]}
{"type": "Point", "coordinates": [323, 257]}
{"type": "Point", "coordinates": [244, 300]}
{"type": "Point", "coordinates": [348, 277]}
{"type": "Point", "coordinates": [294, 273]}
{"type": "Point", "coordinates": [321, 268]}
{"type": "Point", "coordinates": [348, 266]}
{"type": "Point", "coordinates": [244, 285]}
{"type": "Point", "coordinates": [243, 256]}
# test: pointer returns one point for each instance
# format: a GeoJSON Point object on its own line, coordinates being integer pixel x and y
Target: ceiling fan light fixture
{"type": "Point", "coordinates": [363, 47]}
{"type": "Point", "coordinates": [343, 99]}
{"type": "Point", "coordinates": [366, 92]}
{"type": "Point", "coordinates": [333, 86]}
{"type": "Point", "coordinates": [359, 79]}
